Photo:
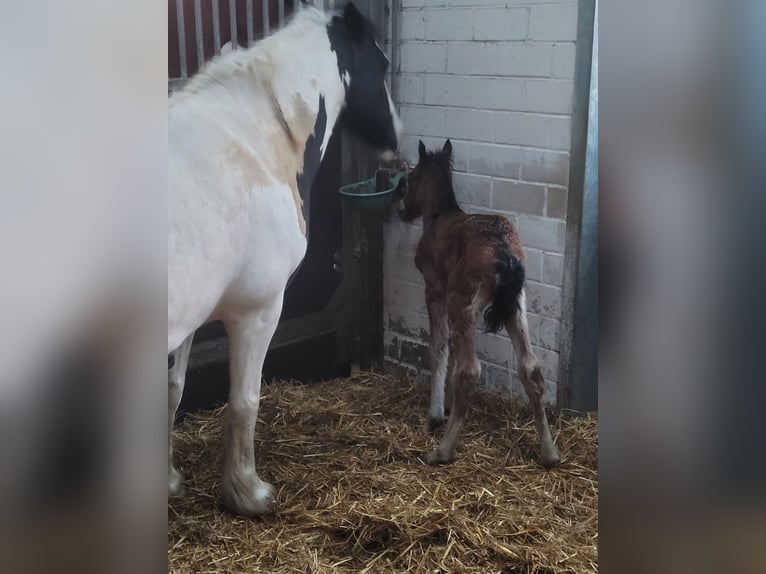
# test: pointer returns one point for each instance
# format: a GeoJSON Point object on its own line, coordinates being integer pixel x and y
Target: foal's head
{"type": "Point", "coordinates": [429, 190]}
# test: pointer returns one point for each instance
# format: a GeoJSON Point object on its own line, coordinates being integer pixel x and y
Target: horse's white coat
{"type": "Point", "coordinates": [236, 136]}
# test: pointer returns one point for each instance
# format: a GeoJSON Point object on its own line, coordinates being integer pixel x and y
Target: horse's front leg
{"type": "Point", "coordinates": [244, 493]}
{"type": "Point", "coordinates": [176, 380]}
{"type": "Point", "coordinates": [437, 315]}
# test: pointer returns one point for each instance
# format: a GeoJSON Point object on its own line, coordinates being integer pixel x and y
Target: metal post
{"type": "Point", "coordinates": [181, 37]}
{"type": "Point", "coordinates": [233, 23]}
{"type": "Point", "coordinates": [265, 4]}
{"type": "Point", "coordinates": [216, 28]}
{"type": "Point", "coordinates": [198, 33]}
{"type": "Point", "coordinates": [250, 34]}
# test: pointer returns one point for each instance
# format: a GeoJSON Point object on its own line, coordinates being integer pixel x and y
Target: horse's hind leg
{"type": "Point", "coordinates": [437, 315]}
{"type": "Point", "coordinates": [532, 379]}
{"type": "Point", "coordinates": [465, 373]}
{"type": "Point", "coordinates": [176, 381]}
{"type": "Point", "coordinates": [244, 493]}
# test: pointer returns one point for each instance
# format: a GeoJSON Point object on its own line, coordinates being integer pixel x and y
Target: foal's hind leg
{"type": "Point", "coordinates": [244, 493]}
{"type": "Point", "coordinates": [176, 381]}
{"type": "Point", "coordinates": [437, 315]}
{"type": "Point", "coordinates": [532, 379]}
{"type": "Point", "coordinates": [465, 374]}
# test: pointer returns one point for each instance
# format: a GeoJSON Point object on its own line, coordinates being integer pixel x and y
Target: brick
{"type": "Point", "coordinates": [553, 269]}
{"type": "Point", "coordinates": [534, 267]}
{"type": "Point", "coordinates": [468, 124]}
{"type": "Point", "coordinates": [544, 299]}
{"type": "Point", "coordinates": [545, 167]}
{"type": "Point", "coordinates": [411, 90]}
{"type": "Point", "coordinates": [447, 90]}
{"type": "Point", "coordinates": [421, 3]}
{"type": "Point", "coordinates": [472, 189]}
{"type": "Point", "coordinates": [415, 354]}
{"type": "Point", "coordinates": [542, 233]}
{"type": "Point", "coordinates": [533, 324]}
{"type": "Point", "coordinates": [548, 334]}
{"type": "Point", "coordinates": [472, 58]}
{"type": "Point", "coordinates": [449, 24]}
{"type": "Point", "coordinates": [549, 96]}
{"type": "Point", "coordinates": [560, 132]}
{"type": "Point", "coordinates": [403, 322]}
{"type": "Point", "coordinates": [401, 265]}
{"type": "Point", "coordinates": [496, 380]}
{"type": "Point", "coordinates": [564, 61]}
{"type": "Point", "coordinates": [497, 160]}
{"type": "Point", "coordinates": [549, 362]}
{"type": "Point", "coordinates": [553, 22]}
{"type": "Point", "coordinates": [412, 25]}
{"type": "Point", "coordinates": [391, 344]}
{"type": "Point", "coordinates": [557, 202]}
{"type": "Point", "coordinates": [423, 121]}
{"type": "Point", "coordinates": [497, 93]}
{"type": "Point", "coordinates": [521, 129]}
{"type": "Point", "coordinates": [500, 24]}
{"type": "Point", "coordinates": [525, 59]}
{"type": "Point", "coordinates": [423, 58]}
{"type": "Point", "coordinates": [405, 295]}
{"type": "Point", "coordinates": [518, 197]}
{"type": "Point", "coordinates": [495, 349]}
{"type": "Point", "coordinates": [401, 238]}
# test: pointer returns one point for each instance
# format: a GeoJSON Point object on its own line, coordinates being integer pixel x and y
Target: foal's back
{"type": "Point", "coordinates": [460, 243]}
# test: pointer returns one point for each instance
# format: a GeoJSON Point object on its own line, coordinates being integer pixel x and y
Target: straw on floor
{"type": "Point", "coordinates": [355, 496]}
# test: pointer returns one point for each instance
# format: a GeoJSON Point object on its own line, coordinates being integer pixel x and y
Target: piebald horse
{"type": "Point", "coordinates": [245, 140]}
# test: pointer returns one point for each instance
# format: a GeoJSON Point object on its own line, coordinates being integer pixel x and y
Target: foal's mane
{"type": "Point", "coordinates": [223, 67]}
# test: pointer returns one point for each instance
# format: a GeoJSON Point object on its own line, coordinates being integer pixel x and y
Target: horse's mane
{"type": "Point", "coordinates": [217, 70]}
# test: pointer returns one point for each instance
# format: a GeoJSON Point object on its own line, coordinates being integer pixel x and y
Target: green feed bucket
{"type": "Point", "coordinates": [361, 196]}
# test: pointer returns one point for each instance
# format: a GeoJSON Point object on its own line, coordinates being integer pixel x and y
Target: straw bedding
{"type": "Point", "coordinates": [354, 495]}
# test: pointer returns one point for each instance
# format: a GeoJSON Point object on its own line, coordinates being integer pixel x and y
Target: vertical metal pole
{"type": "Point", "coordinates": [233, 23]}
{"type": "Point", "coordinates": [216, 28]}
{"type": "Point", "coordinates": [198, 33]}
{"type": "Point", "coordinates": [181, 36]}
{"type": "Point", "coordinates": [250, 35]}
{"type": "Point", "coordinates": [265, 4]}
{"type": "Point", "coordinates": [281, 5]}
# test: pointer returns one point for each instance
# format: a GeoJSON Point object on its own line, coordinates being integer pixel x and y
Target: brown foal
{"type": "Point", "coordinates": [469, 263]}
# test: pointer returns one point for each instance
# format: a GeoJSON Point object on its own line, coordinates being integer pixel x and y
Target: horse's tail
{"type": "Point", "coordinates": [509, 281]}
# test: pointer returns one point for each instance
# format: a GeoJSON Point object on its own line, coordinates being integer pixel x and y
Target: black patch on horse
{"type": "Point", "coordinates": [312, 157]}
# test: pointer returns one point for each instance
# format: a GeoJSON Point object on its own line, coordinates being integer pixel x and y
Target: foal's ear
{"type": "Point", "coordinates": [421, 149]}
{"type": "Point", "coordinates": [447, 149]}
{"type": "Point", "coordinates": [354, 22]}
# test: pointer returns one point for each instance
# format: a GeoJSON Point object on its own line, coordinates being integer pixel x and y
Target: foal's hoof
{"type": "Point", "coordinates": [437, 457]}
{"type": "Point", "coordinates": [249, 502]}
{"type": "Point", "coordinates": [175, 484]}
{"type": "Point", "coordinates": [433, 424]}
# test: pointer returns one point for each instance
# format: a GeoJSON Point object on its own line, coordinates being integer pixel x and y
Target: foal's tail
{"type": "Point", "coordinates": [509, 281]}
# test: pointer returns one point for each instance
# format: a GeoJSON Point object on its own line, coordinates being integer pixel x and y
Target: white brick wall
{"type": "Point", "coordinates": [497, 78]}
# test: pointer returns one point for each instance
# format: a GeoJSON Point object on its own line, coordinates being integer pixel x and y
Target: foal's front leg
{"type": "Point", "coordinates": [465, 375]}
{"type": "Point", "coordinates": [437, 315]}
{"type": "Point", "coordinates": [244, 492]}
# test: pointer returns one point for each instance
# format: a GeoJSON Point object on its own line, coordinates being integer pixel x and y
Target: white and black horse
{"type": "Point", "coordinates": [245, 139]}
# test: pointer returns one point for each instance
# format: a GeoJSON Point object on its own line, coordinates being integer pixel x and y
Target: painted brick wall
{"type": "Point", "coordinates": [497, 78]}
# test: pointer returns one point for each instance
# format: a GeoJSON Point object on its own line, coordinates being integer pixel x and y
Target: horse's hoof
{"type": "Point", "coordinates": [437, 457]}
{"type": "Point", "coordinates": [549, 460]}
{"type": "Point", "coordinates": [255, 501]}
{"type": "Point", "coordinates": [175, 484]}
{"type": "Point", "coordinates": [433, 424]}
